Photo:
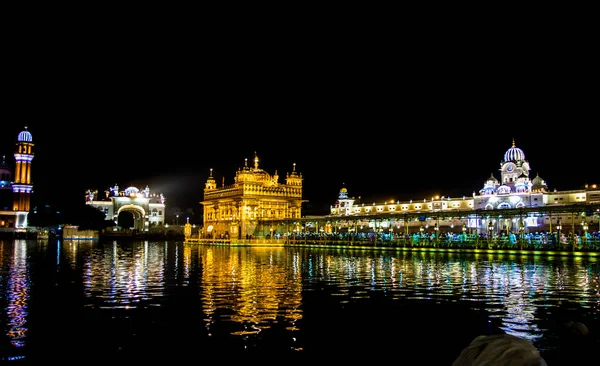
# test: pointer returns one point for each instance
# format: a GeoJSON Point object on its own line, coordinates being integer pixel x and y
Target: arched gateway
{"type": "Point", "coordinates": [147, 209]}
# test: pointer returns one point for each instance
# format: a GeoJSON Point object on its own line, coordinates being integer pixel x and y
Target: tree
{"type": "Point", "coordinates": [87, 218]}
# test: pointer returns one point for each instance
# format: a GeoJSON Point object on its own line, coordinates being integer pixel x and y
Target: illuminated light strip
{"type": "Point", "coordinates": [20, 188]}
{"type": "Point", "coordinates": [23, 157]}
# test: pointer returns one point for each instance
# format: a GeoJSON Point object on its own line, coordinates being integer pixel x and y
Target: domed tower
{"type": "Point", "coordinates": [343, 194]}
{"type": "Point", "coordinates": [294, 178]}
{"type": "Point", "coordinates": [514, 169]}
{"type": "Point", "coordinates": [22, 186]}
{"type": "Point", "coordinates": [539, 185]}
{"type": "Point", "coordinates": [344, 202]}
{"type": "Point", "coordinates": [210, 184]}
{"type": "Point", "coordinates": [490, 186]}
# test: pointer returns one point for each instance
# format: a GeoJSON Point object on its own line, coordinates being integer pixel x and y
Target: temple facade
{"type": "Point", "coordinates": [514, 189]}
{"type": "Point", "coordinates": [147, 208]}
{"type": "Point", "coordinates": [16, 185]}
{"type": "Point", "coordinates": [245, 208]}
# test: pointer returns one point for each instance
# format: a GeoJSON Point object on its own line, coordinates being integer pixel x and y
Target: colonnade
{"type": "Point", "coordinates": [569, 220]}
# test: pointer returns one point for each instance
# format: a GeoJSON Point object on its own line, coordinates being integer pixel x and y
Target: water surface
{"type": "Point", "coordinates": [129, 301]}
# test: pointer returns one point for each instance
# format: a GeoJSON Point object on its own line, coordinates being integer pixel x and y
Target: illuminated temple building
{"type": "Point", "coordinates": [147, 208]}
{"type": "Point", "coordinates": [255, 197]}
{"type": "Point", "coordinates": [16, 189]}
{"type": "Point", "coordinates": [514, 202]}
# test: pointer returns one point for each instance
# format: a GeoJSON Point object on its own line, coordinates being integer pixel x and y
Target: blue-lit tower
{"type": "Point", "coordinates": [22, 186]}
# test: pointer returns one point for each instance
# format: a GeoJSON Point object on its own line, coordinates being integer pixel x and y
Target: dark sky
{"type": "Point", "coordinates": [389, 118]}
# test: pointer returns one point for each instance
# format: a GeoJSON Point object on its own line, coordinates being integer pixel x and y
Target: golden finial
{"type": "Point", "coordinates": [255, 161]}
{"type": "Point", "coordinates": [514, 143]}
{"type": "Point", "coordinates": [294, 167]}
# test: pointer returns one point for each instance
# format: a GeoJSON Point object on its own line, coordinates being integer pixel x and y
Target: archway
{"type": "Point", "coordinates": [126, 220]}
{"type": "Point", "coordinates": [136, 212]}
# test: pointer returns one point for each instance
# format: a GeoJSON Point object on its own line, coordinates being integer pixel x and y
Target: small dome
{"type": "Point", "coordinates": [25, 136]}
{"type": "Point", "coordinates": [514, 154]}
{"type": "Point", "coordinates": [539, 183]}
{"type": "Point", "coordinates": [343, 193]}
{"type": "Point", "coordinates": [132, 191]}
{"type": "Point", "coordinates": [492, 178]}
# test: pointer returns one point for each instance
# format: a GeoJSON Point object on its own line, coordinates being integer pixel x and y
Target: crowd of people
{"type": "Point", "coordinates": [506, 240]}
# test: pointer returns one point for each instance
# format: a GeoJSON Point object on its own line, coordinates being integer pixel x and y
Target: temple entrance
{"type": "Point", "coordinates": [131, 217]}
{"type": "Point", "coordinates": [125, 220]}
{"type": "Point", "coordinates": [129, 210]}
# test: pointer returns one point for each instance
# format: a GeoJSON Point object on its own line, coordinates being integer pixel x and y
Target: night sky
{"type": "Point", "coordinates": [387, 122]}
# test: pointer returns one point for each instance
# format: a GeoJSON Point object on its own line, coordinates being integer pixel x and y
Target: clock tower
{"type": "Point", "coordinates": [22, 186]}
{"type": "Point", "coordinates": [514, 170]}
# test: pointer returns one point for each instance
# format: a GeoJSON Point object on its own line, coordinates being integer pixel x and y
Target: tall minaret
{"type": "Point", "coordinates": [255, 161]}
{"type": "Point", "coordinates": [22, 186]}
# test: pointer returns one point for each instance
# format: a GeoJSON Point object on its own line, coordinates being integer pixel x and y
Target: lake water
{"type": "Point", "coordinates": [133, 301]}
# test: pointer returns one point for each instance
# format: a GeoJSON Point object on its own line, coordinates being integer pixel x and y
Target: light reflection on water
{"type": "Point", "coordinates": [15, 278]}
{"type": "Point", "coordinates": [120, 276]}
{"type": "Point", "coordinates": [260, 286]}
{"type": "Point", "coordinates": [244, 292]}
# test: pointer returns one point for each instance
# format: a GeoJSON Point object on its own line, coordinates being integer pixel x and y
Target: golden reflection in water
{"type": "Point", "coordinates": [17, 293]}
{"type": "Point", "coordinates": [187, 261]}
{"type": "Point", "coordinates": [123, 274]}
{"type": "Point", "coordinates": [255, 284]}
{"type": "Point", "coordinates": [69, 249]}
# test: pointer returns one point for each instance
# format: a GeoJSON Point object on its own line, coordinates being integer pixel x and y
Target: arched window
{"type": "Point", "coordinates": [503, 190]}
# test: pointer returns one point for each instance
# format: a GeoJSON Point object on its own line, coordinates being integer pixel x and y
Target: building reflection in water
{"type": "Point", "coordinates": [512, 289]}
{"type": "Point", "coordinates": [257, 288]}
{"type": "Point", "coordinates": [15, 289]}
{"type": "Point", "coordinates": [120, 275]}
{"type": "Point", "coordinates": [253, 293]}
